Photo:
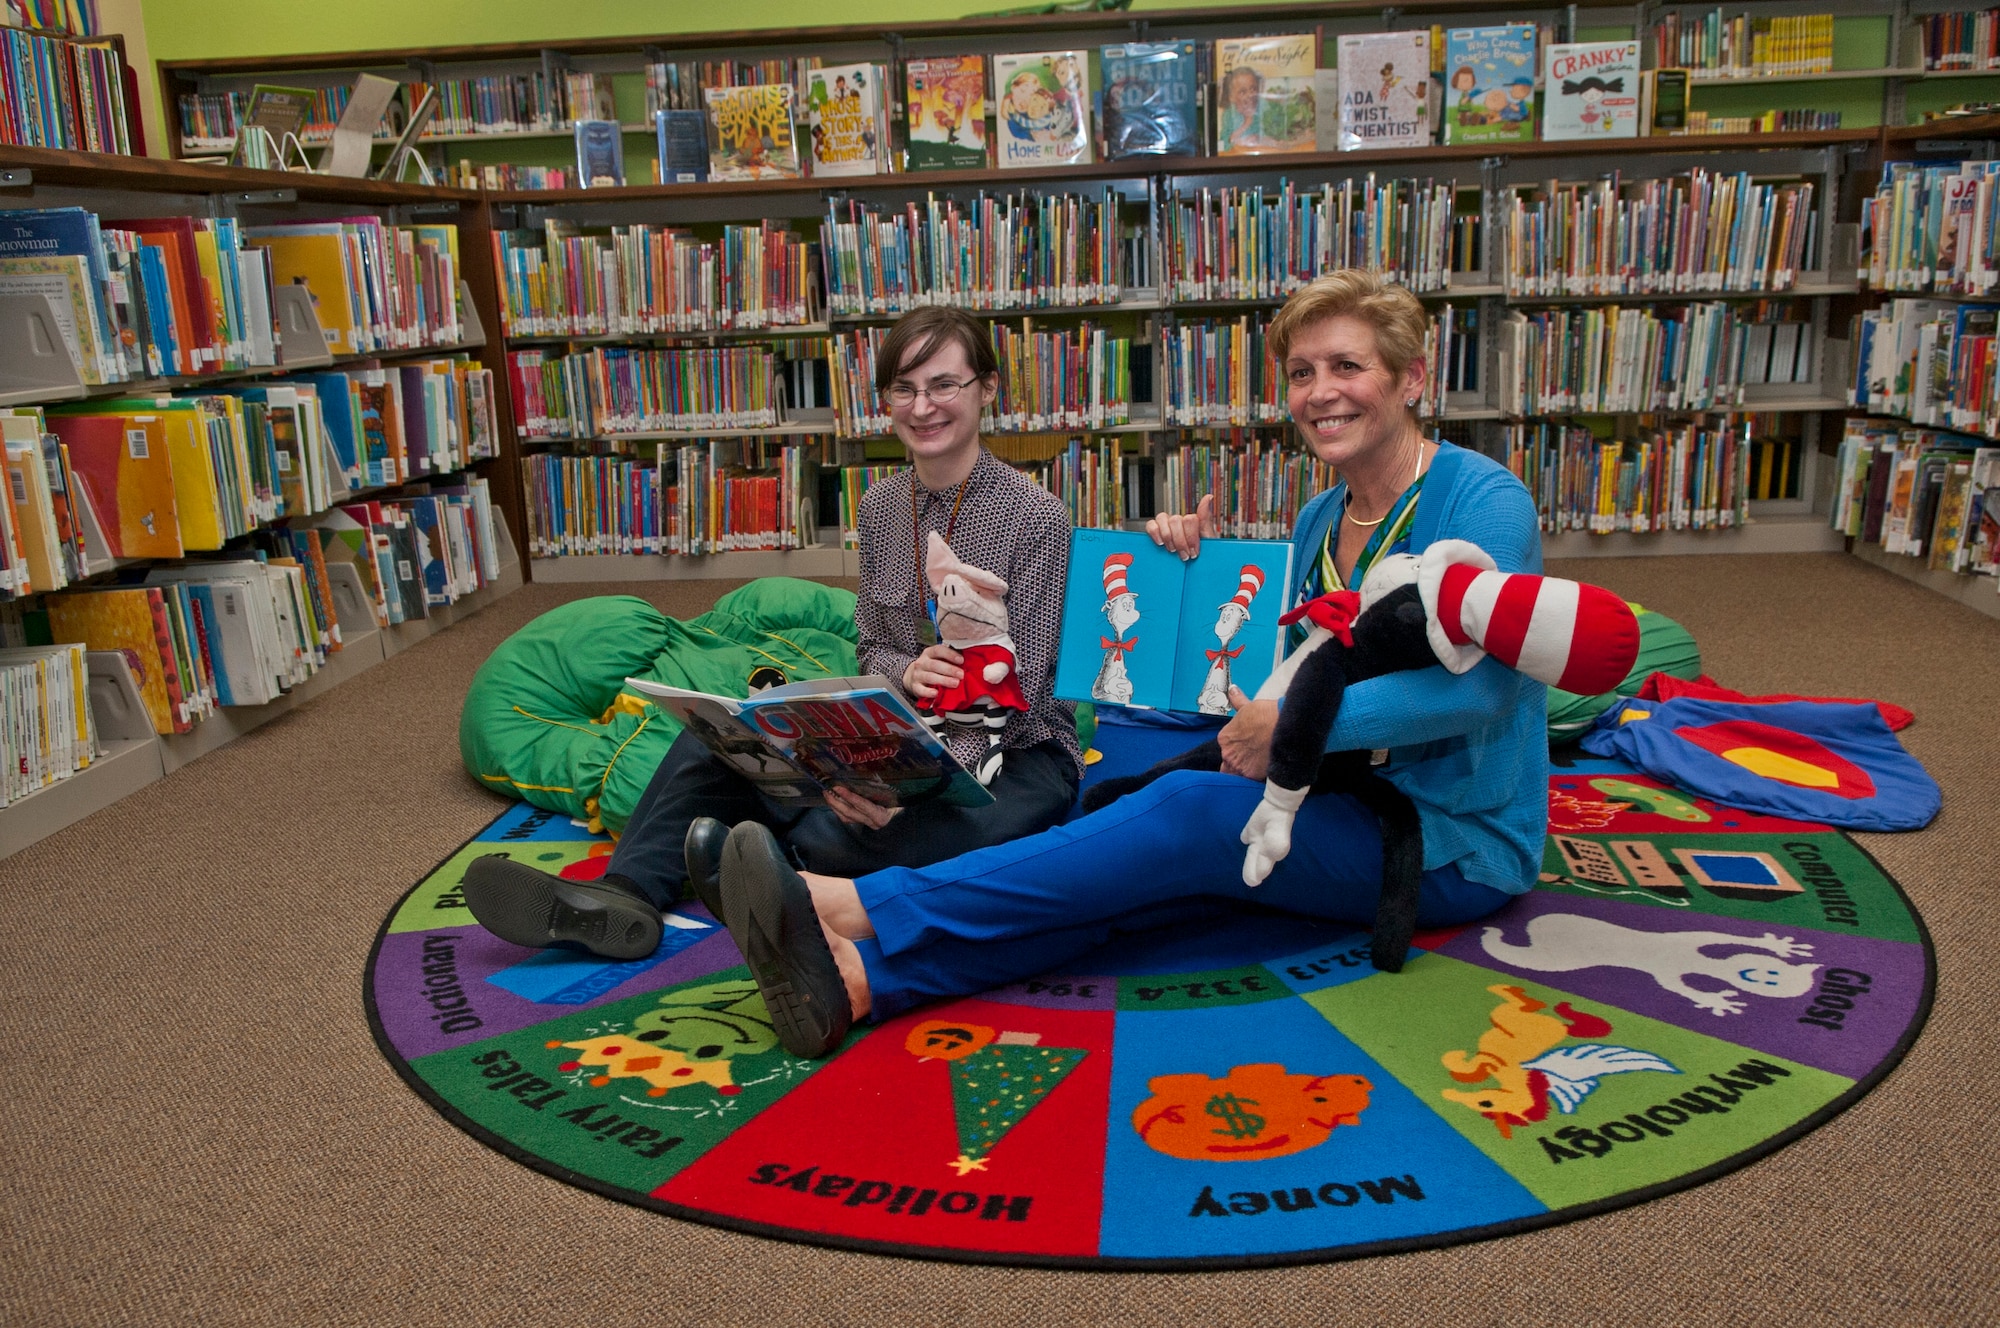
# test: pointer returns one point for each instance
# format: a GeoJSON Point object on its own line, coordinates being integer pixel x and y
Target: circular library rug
{"type": "Point", "coordinates": [1689, 988]}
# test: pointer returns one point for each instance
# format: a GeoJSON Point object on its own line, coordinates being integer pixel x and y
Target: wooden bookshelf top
{"type": "Point", "coordinates": [98, 170]}
{"type": "Point", "coordinates": [1037, 29]}
{"type": "Point", "coordinates": [1957, 126]}
{"type": "Point", "coordinates": [1138, 167]}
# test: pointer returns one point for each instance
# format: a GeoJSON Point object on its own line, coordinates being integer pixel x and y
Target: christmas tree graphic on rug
{"type": "Point", "coordinates": [996, 1080]}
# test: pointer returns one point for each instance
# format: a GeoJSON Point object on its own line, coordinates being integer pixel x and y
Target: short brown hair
{"type": "Point", "coordinates": [1396, 315]}
{"type": "Point", "coordinates": [922, 333]}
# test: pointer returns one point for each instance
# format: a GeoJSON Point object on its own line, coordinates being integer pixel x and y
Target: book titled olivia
{"type": "Point", "coordinates": [1591, 90]}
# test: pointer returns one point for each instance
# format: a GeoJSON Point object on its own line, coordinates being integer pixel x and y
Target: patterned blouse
{"type": "Point", "coordinates": [1007, 524]}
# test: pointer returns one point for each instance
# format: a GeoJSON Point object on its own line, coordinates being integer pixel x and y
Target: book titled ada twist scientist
{"type": "Point", "coordinates": [1142, 628]}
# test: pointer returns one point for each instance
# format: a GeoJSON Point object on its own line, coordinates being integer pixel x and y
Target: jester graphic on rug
{"type": "Point", "coordinates": [972, 619]}
{"type": "Point", "coordinates": [1529, 1068]}
{"type": "Point", "coordinates": [1229, 620]}
{"type": "Point", "coordinates": [1452, 606]}
{"type": "Point", "coordinates": [997, 1078]}
{"type": "Point", "coordinates": [1121, 611]}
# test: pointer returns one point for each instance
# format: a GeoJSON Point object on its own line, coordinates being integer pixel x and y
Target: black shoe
{"type": "Point", "coordinates": [771, 918]}
{"type": "Point", "coordinates": [517, 903]}
{"type": "Point", "coordinates": [703, 848]}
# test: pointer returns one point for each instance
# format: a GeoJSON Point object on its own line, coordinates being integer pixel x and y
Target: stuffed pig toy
{"type": "Point", "coordinates": [971, 611]}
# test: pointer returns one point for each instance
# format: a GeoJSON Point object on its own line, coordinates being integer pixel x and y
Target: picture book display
{"type": "Point", "coordinates": [945, 105]}
{"type": "Point", "coordinates": [1143, 628]}
{"type": "Point", "coordinates": [1490, 84]}
{"type": "Point", "coordinates": [797, 741]}
{"type": "Point", "coordinates": [1264, 94]}
{"type": "Point", "coordinates": [1591, 90]}
{"type": "Point", "coordinates": [844, 114]}
{"type": "Point", "coordinates": [1385, 90]}
{"type": "Point", "coordinates": [1041, 109]}
{"type": "Point", "coordinates": [750, 133]}
{"type": "Point", "coordinates": [600, 154]}
{"type": "Point", "coordinates": [681, 146]}
{"type": "Point", "coordinates": [1152, 100]}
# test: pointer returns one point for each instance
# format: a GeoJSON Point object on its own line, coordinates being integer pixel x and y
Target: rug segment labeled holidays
{"type": "Point", "coordinates": [1688, 988]}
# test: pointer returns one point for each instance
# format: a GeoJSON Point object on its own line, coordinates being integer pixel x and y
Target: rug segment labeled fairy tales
{"type": "Point", "coordinates": [1688, 988]}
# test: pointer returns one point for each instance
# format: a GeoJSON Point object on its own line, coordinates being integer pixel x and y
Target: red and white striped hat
{"type": "Point", "coordinates": [1578, 637]}
{"type": "Point", "coordinates": [1248, 582]}
{"type": "Point", "coordinates": [1115, 567]}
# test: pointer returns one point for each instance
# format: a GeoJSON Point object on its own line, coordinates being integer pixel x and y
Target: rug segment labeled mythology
{"type": "Point", "coordinates": [1688, 988]}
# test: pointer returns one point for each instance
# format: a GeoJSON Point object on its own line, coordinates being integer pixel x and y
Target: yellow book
{"type": "Point", "coordinates": [319, 263]}
{"type": "Point", "coordinates": [210, 259]}
{"type": "Point", "coordinates": [34, 510]}
{"type": "Point", "coordinates": [132, 622]}
{"type": "Point", "coordinates": [197, 496]}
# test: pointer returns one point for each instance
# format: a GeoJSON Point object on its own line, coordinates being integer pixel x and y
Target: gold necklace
{"type": "Point", "coordinates": [1415, 470]}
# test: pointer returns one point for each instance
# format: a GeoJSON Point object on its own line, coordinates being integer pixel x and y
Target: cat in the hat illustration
{"type": "Point", "coordinates": [1121, 611]}
{"type": "Point", "coordinates": [1451, 606]}
{"type": "Point", "coordinates": [1229, 620]}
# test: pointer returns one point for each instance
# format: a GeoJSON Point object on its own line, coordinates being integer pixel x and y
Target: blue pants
{"type": "Point", "coordinates": [1031, 906]}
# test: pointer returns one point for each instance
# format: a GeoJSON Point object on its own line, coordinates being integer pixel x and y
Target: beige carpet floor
{"type": "Point", "coordinates": [195, 1126]}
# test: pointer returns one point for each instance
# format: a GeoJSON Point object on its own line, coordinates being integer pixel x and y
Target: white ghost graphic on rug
{"type": "Point", "coordinates": [1565, 942]}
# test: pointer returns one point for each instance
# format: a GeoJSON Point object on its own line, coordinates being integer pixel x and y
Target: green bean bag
{"type": "Point", "coordinates": [1664, 647]}
{"type": "Point", "coordinates": [548, 718]}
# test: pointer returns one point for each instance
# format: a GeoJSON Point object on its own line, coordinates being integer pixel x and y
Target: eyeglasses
{"type": "Point", "coordinates": [942, 392]}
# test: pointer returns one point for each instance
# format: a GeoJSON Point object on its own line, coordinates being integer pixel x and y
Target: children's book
{"type": "Point", "coordinates": [1041, 108]}
{"type": "Point", "coordinates": [1591, 90]}
{"type": "Point", "coordinates": [1152, 100]}
{"type": "Point", "coordinates": [844, 112]}
{"type": "Point", "coordinates": [945, 105]}
{"type": "Point", "coordinates": [750, 133]}
{"type": "Point", "coordinates": [681, 143]}
{"type": "Point", "coordinates": [1490, 87]}
{"type": "Point", "coordinates": [1143, 628]}
{"type": "Point", "coordinates": [1264, 94]}
{"type": "Point", "coordinates": [797, 741]}
{"type": "Point", "coordinates": [1384, 90]}
{"type": "Point", "coordinates": [600, 154]}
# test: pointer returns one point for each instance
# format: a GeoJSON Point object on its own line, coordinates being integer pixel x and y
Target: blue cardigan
{"type": "Point", "coordinates": [1470, 750]}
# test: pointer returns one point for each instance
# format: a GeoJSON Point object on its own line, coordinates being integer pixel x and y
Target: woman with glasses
{"type": "Point", "coordinates": [936, 374]}
{"type": "Point", "coordinates": [1469, 750]}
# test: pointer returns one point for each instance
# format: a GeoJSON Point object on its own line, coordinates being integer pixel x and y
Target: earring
{"type": "Point", "coordinates": [1412, 401]}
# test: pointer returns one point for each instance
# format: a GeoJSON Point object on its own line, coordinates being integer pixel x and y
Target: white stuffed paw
{"type": "Point", "coordinates": [1268, 833]}
{"type": "Point", "coordinates": [996, 672]}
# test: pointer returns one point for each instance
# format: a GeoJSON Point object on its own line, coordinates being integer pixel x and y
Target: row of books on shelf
{"type": "Point", "coordinates": [635, 390]}
{"type": "Point", "coordinates": [1933, 226]}
{"type": "Point", "coordinates": [1965, 39]}
{"type": "Point", "coordinates": [1921, 493]}
{"type": "Point", "coordinates": [184, 296]}
{"type": "Point", "coordinates": [1715, 46]}
{"type": "Point", "coordinates": [711, 502]}
{"type": "Point", "coordinates": [1026, 250]}
{"type": "Point", "coordinates": [47, 729]}
{"type": "Point", "coordinates": [161, 476]}
{"type": "Point", "coordinates": [570, 280]}
{"type": "Point", "coordinates": [64, 92]}
{"type": "Point", "coordinates": [1696, 232]}
{"type": "Point", "coordinates": [1257, 244]}
{"type": "Point", "coordinates": [1934, 362]}
{"type": "Point", "coordinates": [1612, 359]}
{"type": "Point", "coordinates": [1695, 477]}
{"type": "Point", "coordinates": [253, 624]}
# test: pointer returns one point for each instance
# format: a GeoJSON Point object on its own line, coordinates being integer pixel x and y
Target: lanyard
{"type": "Point", "coordinates": [917, 547]}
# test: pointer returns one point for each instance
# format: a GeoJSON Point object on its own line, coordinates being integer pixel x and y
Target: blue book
{"type": "Point", "coordinates": [156, 293]}
{"type": "Point", "coordinates": [62, 233]}
{"type": "Point", "coordinates": [1144, 629]}
{"type": "Point", "coordinates": [682, 143]}
{"type": "Point", "coordinates": [600, 154]}
{"type": "Point", "coordinates": [1152, 93]}
{"type": "Point", "coordinates": [336, 408]}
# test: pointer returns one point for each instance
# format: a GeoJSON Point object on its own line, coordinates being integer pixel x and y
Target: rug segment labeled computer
{"type": "Point", "coordinates": [1688, 988]}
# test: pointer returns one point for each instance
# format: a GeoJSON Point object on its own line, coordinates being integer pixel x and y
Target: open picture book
{"type": "Point", "coordinates": [797, 741]}
{"type": "Point", "coordinates": [1142, 628]}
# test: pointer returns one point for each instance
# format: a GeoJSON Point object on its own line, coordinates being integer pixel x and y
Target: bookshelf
{"type": "Point", "coordinates": [120, 191]}
{"type": "Point", "coordinates": [1875, 63]}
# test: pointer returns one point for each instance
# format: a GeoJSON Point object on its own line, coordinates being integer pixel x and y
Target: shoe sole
{"type": "Point", "coordinates": [527, 907]}
{"type": "Point", "coordinates": [794, 970]}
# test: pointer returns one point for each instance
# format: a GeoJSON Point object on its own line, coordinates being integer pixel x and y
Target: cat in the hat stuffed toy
{"type": "Point", "coordinates": [1229, 619]}
{"type": "Point", "coordinates": [1449, 606]}
{"type": "Point", "coordinates": [972, 619]}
